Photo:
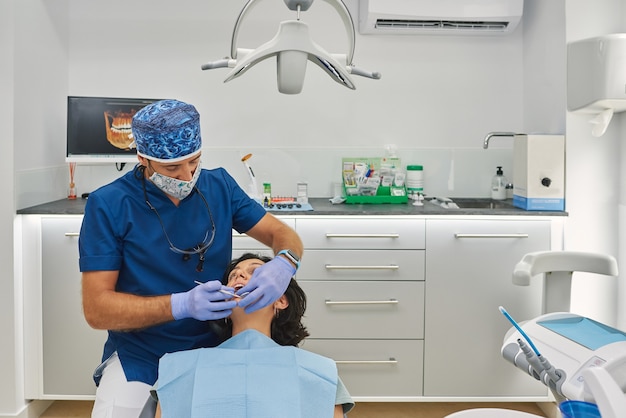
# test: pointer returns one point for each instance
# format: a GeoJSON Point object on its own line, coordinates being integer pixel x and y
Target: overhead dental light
{"type": "Point", "coordinates": [293, 47]}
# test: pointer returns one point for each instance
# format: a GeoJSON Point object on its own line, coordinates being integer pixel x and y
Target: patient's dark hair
{"type": "Point", "coordinates": [287, 327]}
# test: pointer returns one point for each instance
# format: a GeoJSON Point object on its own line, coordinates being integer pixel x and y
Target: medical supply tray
{"type": "Point", "coordinates": [377, 166]}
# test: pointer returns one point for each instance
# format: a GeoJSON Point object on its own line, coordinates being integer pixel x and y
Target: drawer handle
{"type": "Point", "coordinates": [490, 235]}
{"type": "Point", "coordinates": [72, 234]}
{"type": "Point", "coordinates": [389, 267]}
{"type": "Point", "coordinates": [362, 235]}
{"type": "Point", "coordinates": [361, 302]}
{"type": "Point", "coordinates": [390, 361]}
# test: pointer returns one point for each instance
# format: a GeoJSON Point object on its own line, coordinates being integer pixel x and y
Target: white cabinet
{"type": "Point", "coordinates": [469, 265]}
{"type": "Point", "coordinates": [242, 243]}
{"type": "Point", "coordinates": [62, 350]}
{"type": "Point", "coordinates": [69, 348]}
{"type": "Point", "coordinates": [364, 280]}
{"type": "Point", "coordinates": [406, 306]}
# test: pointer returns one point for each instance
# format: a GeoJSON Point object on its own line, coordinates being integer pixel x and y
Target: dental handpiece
{"type": "Point", "coordinates": [552, 373]}
{"type": "Point", "coordinates": [550, 376]}
{"type": "Point", "coordinates": [532, 358]}
{"type": "Point", "coordinates": [553, 379]}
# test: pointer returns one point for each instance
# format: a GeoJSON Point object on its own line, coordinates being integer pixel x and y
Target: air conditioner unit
{"type": "Point", "coordinates": [438, 17]}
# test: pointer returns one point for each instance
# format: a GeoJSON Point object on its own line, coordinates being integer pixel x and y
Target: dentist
{"type": "Point", "coordinates": [149, 236]}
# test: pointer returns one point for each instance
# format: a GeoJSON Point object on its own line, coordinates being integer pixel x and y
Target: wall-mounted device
{"type": "Point", "coordinates": [439, 17]}
{"type": "Point", "coordinates": [596, 78]}
{"type": "Point", "coordinates": [98, 129]}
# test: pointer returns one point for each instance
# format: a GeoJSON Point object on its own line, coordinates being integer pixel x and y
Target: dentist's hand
{"type": "Point", "coordinates": [204, 302]}
{"type": "Point", "coordinates": [267, 284]}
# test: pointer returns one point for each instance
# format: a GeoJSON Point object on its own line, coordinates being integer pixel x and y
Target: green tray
{"type": "Point", "coordinates": [382, 196]}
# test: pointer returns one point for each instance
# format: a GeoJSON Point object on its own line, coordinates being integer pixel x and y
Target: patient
{"type": "Point", "coordinates": [258, 371]}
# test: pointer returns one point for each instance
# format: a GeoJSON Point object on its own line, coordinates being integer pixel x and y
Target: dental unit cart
{"type": "Point", "coordinates": [577, 358]}
{"type": "Point", "coordinates": [572, 343]}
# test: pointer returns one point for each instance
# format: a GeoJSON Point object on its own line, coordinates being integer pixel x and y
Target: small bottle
{"type": "Point", "coordinates": [267, 193]}
{"type": "Point", "coordinates": [498, 185]}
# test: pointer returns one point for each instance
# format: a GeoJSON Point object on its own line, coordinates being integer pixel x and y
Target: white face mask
{"type": "Point", "coordinates": [179, 189]}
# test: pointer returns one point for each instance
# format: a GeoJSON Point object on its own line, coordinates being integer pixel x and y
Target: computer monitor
{"type": "Point", "coordinates": [98, 129]}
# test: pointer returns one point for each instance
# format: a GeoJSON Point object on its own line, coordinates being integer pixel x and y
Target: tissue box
{"type": "Point", "coordinates": [539, 172]}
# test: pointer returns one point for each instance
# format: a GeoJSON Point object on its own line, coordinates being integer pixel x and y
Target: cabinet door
{"type": "Point", "coordinates": [469, 266]}
{"type": "Point", "coordinates": [71, 348]}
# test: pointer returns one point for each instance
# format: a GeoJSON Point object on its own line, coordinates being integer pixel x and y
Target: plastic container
{"type": "Point", "coordinates": [579, 409]}
{"type": "Point", "coordinates": [498, 185]}
{"type": "Point", "coordinates": [414, 179]}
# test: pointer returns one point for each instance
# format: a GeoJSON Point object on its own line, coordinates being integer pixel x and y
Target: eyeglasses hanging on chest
{"type": "Point", "coordinates": [199, 248]}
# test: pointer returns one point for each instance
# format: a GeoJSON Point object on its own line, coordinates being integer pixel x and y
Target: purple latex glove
{"type": "Point", "coordinates": [204, 302]}
{"type": "Point", "coordinates": [267, 284]}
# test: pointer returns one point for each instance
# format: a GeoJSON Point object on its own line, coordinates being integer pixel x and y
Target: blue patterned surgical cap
{"type": "Point", "coordinates": [167, 131]}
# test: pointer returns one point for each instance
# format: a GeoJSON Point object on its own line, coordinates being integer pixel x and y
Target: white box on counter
{"type": "Point", "coordinates": [539, 172]}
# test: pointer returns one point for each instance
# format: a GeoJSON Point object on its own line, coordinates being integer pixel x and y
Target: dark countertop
{"type": "Point", "coordinates": [322, 206]}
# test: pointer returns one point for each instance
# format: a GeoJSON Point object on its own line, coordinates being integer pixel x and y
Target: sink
{"type": "Point", "coordinates": [482, 203]}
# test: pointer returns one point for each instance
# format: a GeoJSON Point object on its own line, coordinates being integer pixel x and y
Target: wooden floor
{"type": "Point", "coordinates": [82, 409]}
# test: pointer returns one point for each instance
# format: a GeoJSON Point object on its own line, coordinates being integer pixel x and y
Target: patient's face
{"type": "Point", "coordinates": [242, 272]}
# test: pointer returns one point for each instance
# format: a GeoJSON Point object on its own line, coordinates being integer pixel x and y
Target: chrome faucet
{"type": "Point", "coordinates": [490, 134]}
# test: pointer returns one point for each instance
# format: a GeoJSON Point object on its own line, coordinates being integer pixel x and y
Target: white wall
{"type": "Point", "coordinates": [544, 66]}
{"type": "Point", "coordinates": [621, 220]}
{"type": "Point", "coordinates": [33, 79]}
{"type": "Point", "coordinates": [9, 312]}
{"type": "Point", "coordinates": [41, 84]}
{"type": "Point", "coordinates": [437, 99]}
{"type": "Point", "coordinates": [594, 196]}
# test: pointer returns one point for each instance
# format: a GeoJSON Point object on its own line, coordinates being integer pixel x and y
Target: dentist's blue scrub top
{"type": "Point", "coordinates": [120, 232]}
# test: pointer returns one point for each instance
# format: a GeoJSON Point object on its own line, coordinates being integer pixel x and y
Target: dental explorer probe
{"type": "Point", "coordinates": [226, 292]}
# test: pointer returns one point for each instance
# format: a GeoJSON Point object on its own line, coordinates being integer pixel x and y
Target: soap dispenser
{"type": "Point", "coordinates": [498, 185]}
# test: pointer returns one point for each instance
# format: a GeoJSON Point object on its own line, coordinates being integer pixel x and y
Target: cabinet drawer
{"type": "Point", "coordinates": [362, 265]}
{"type": "Point", "coordinates": [375, 368]}
{"type": "Point", "coordinates": [342, 309]}
{"type": "Point", "coordinates": [244, 241]}
{"type": "Point", "coordinates": [362, 233]}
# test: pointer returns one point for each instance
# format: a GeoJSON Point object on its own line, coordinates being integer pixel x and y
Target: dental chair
{"type": "Point", "coordinates": [557, 268]}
